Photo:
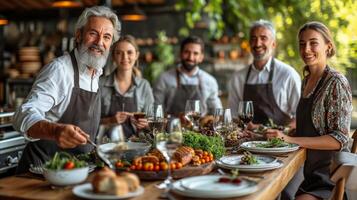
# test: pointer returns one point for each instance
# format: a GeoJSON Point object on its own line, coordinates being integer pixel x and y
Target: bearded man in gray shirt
{"type": "Point", "coordinates": [187, 82]}
{"type": "Point", "coordinates": [62, 111]}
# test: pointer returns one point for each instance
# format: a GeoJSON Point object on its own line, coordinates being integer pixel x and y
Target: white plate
{"type": "Point", "coordinates": [279, 165]}
{"type": "Point", "coordinates": [209, 187]}
{"type": "Point", "coordinates": [39, 169]}
{"type": "Point", "coordinates": [86, 191]}
{"type": "Point", "coordinates": [251, 146]}
{"type": "Point", "coordinates": [263, 161]}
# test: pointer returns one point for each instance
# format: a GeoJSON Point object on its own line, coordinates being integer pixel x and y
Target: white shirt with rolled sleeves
{"type": "Point", "coordinates": [165, 88]}
{"type": "Point", "coordinates": [286, 86]}
{"type": "Point", "coordinates": [51, 92]}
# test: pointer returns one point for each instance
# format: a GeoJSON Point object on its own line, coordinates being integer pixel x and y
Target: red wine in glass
{"type": "Point", "coordinates": [245, 112]}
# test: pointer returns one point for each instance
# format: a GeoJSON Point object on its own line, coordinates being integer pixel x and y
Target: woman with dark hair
{"type": "Point", "coordinates": [123, 90]}
{"type": "Point", "coordinates": [323, 114]}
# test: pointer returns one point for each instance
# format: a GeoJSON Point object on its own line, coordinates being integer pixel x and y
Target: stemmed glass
{"type": "Point", "coordinates": [193, 112]}
{"type": "Point", "coordinates": [167, 143]}
{"type": "Point", "coordinates": [245, 112]}
{"type": "Point", "coordinates": [111, 144]}
{"type": "Point", "coordinates": [222, 121]}
{"type": "Point", "coordinates": [156, 119]}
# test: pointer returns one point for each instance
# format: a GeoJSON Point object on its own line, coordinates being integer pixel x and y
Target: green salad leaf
{"type": "Point", "coordinates": [213, 144]}
{"type": "Point", "coordinates": [272, 143]}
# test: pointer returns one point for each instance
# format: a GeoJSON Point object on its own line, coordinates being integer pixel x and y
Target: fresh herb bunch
{"type": "Point", "coordinates": [248, 159]}
{"type": "Point", "coordinates": [272, 143]}
{"type": "Point", "coordinates": [213, 144]}
{"type": "Point", "coordinates": [63, 160]}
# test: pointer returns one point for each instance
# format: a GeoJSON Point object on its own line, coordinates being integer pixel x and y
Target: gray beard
{"type": "Point", "coordinates": [264, 56]}
{"type": "Point", "coordinates": [86, 58]}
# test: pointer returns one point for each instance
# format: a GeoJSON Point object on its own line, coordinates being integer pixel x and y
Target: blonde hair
{"type": "Point", "coordinates": [130, 39]}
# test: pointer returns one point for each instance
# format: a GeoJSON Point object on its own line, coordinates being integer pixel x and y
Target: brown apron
{"type": "Point", "coordinates": [182, 94]}
{"type": "Point", "coordinates": [264, 103]}
{"type": "Point", "coordinates": [117, 103]}
{"type": "Point", "coordinates": [82, 111]}
{"type": "Point", "coordinates": [316, 168]}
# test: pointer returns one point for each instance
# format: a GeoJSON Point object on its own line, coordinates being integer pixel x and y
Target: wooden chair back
{"type": "Point", "coordinates": [345, 175]}
{"type": "Point", "coordinates": [354, 144]}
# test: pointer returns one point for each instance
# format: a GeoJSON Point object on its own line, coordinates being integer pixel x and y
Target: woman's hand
{"type": "Point", "coordinates": [252, 126]}
{"type": "Point", "coordinates": [140, 124]}
{"type": "Point", "coordinates": [274, 133]}
{"type": "Point", "coordinates": [120, 117]}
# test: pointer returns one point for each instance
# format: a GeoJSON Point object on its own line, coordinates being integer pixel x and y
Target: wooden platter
{"type": "Point", "coordinates": [186, 171]}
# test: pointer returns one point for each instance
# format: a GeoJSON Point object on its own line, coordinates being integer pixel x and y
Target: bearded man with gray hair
{"type": "Point", "coordinates": [62, 111]}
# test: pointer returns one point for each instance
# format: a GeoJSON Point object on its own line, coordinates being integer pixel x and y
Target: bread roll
{"type": "Point", "coordinates": [106, 181]}
{"type": "Point", "coordinates": [110, 185]}
{"type": "Point", "coordinates": [132, 180]}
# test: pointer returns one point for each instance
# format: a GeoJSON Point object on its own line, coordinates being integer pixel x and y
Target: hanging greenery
{"type": "Point", "coordinates": [287, 15]}
{"type": "Point", "coordinates": [164, 55]}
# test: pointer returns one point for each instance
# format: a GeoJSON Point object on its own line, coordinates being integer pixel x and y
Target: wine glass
{"type": "Point", "coordinates": [222, 121]}
{"type": "Point", "coordinates": [193, 112]}
{"type": "Point", "coordinates": [111, 144]}
{"type": "Point", "coordinates": [156, 119]}
{"type": "Point", "coordinates": [167, 143]}
{"type": "Point", "coordinates": [245, 112]}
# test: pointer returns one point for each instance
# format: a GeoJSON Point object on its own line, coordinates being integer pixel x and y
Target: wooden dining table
{"type": "Point", "coordinates": [29, 186]}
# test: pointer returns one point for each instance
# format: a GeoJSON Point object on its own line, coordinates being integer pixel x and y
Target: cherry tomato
{"type": "Point", "coordinates": [172, 166]}
{"type": "Point", "coordinates": [179, 165]}
{"type": "Point", "coordinates": [119, 164]}
{"type": "Point", "coordinates": [69, 165]}
{"type": "Point", "coordinates": [224, 180]}
{"type": "Point", "coordinates": [139, 167]}
{"type": "Point", "coordinates": [207, 159]}
{"type": "Point", "coordinates": [163, 166]}
{"type": "Point", "coordinates": [236, 181]}
{"type": "Point", "coordinates": [132, 167]}
{"type": "Point", "coordinates": [148, 166]}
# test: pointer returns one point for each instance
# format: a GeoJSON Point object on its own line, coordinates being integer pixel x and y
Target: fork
{"type": "Point", "coordinates": [37, 167]}
{"type": "Point", "coordinates": [220, 171]}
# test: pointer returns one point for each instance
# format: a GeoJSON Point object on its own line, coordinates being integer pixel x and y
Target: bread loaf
{"type": "Point", "coordinates": [132, 181]}
{"type": "Point", "coordinates": [107, 182]}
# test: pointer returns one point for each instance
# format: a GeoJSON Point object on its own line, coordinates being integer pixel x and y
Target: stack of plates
{"type": "Point", "coordinates": [209, 187]}
{"type": "Point", "coordinates": [30, 60]}
{"type": "Point", "coordinates": [264, 163]}
{"type": "Point", "coordinates": [253, 146]}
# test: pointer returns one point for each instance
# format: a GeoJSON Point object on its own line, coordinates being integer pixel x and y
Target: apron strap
{"type": "Point", "coordinates": [272, 64]}
{"type": "Point", "coordinates": [75, 69]}
{"type": "Point", "coordinates": [320, 82]}
{"type": "Point", "coordinates": [246, 78]}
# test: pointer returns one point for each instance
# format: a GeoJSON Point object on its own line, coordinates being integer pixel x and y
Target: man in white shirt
{"type": "Point", "coordinates": [187, 82]}
{"type": "Point", "coordinates": [62, 111]}
{"type": "Point", "coordinates": [273, 86]}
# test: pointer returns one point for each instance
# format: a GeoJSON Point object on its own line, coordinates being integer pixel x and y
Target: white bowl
{"type": "Point", "coordinates": [66, 176]}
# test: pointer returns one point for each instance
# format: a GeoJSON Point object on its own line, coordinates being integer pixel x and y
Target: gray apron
{"type": "Point", "coordinates": [264, 103]}
{"type": "Point", "coordinates": [182, 94]}
{"type": "Point", "coordinates": [82, 111]}
{"type": "Point", "coordinates": [316, 168]}
{"type": "Point", "coordinates": [117, 103]}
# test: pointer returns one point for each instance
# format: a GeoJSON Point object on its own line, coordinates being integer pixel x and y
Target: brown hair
{"type": "Point", "coordinates": [326, 34]}
{"type": "Point", "coordinates": [195, 40]}
{"type": "Point", "coordinates": [130, 39]}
